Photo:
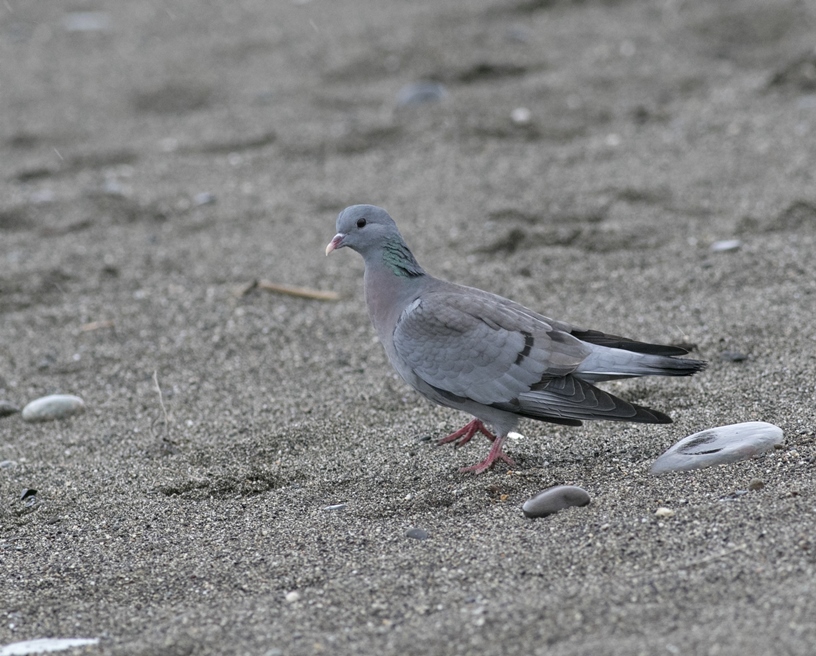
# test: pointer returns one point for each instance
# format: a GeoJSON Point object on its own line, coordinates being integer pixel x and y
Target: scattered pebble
{"type": "Point", "coordinates": [336, 506]}
{"type": "Point", "coordinates": [554, 499]}
{"type": "Point", "coordinates": [112, 187]}
{"type": "Point", "coordinates": [718, 446]}
{"type": "Point", "coordinates": [55, 406]}
{"type": "Point", "coordinates": [755, 484]}
{"type": "Point", "coordinates": [42, 645]}
{"type": "Point", "coordinates": [613, 140]}
{"type": "Point", "coordinates": [664, 512]}
{"type": "Point", "coordinates": [292, 597]}
{"type": "Point", "coordinates": [43, 196]}
{"type": "Point", "coordinates": [807, 101]}
{"type": "Point", "coordinates": [733, 356]}
{"type": "Point", "coordinates": [420, 93]}
{"type": "Point", "coordinates": [726, 245]}
{"type": "Point", "coordinates": [204, 198]}
{"type": "Point", "coordinates": [7, 408]}
{"type": "Point", "coordinates": [521, 116]}
{"type": "Point", "coordinates": [417, 534]}
{"type": "Point", "coordinates": [87, 21]}
{"type": "Point", "coordinates": [518, 34]}
{"type": "Point", "coordinates": [736, 494]}
{"type": "Point", "coordinates": [8, 464]}
{"type": "Point", "coordinates": [28, 493]}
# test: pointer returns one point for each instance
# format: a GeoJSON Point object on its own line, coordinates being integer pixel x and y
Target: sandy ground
{"type": "Point", "coordinates": [656, 129]}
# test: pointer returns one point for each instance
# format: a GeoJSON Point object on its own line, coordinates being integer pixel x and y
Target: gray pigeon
{"type": "Point", "coordinates": [486, 355]}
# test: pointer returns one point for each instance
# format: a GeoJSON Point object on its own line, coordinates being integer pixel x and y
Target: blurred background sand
{"type": "Point", "coordinates": [155, 158]}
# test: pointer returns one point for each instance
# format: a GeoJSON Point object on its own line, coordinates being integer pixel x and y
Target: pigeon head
{"type": "Point", "coordinates": [363, 228]}
{"type": "Point", "coordinates": [371, 232]}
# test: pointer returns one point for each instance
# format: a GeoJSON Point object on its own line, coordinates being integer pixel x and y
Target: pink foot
{"type": "Point", "coordinates": [496, 453]}
{"type": "Point", "coordinates": [466, 433]}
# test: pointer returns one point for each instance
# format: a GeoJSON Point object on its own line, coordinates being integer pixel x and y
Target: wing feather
{"type": "Point", "coordinates": [480, 348]}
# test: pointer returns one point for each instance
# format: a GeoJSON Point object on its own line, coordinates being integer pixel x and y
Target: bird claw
{"type": "Point", "coordinates": [466, 433]}
{"type": "Point", "coordinates": [496, 453]}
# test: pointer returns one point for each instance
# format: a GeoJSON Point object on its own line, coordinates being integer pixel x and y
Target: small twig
{"type": "Point", "coordinates": [693, 563]}
{"type": "Point", "coordinates": [161, 399]}
{"type": "Point", "coordinates": [96, 325]}
{"type": "Point", "coordinates": [717, 556]}
{"type": "Point", "coordinates": [290, 290]}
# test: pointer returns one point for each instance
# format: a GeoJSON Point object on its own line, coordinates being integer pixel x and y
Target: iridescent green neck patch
{"type": "Point", "coordinates": [400, 260]}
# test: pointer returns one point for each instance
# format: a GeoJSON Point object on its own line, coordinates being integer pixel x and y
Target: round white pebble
{"type": "Point", "coordinates": [292, 597]}
{"type": "Point", "coordinates": [521, 116]}
{"type": "Point", "coordinates": [718, 446]}
{"type": "Point", "coordinates": [56, 406]}
{"type": "Point", "coordinates": [726, 245]}
{"type": "Point", "coordinates": [554, 499]}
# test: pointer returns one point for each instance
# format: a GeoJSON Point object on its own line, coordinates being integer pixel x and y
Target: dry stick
{"type": "Point", "coordinates": [717, 556]}
{"type": "Point", "coordinates": [291, 290]}
{"type": "Point", "coordinates": [161, 398]}
{"type": "Point", "coordinates": [693, 563]}
{"type": "Point", "coordinates": [96, 325]}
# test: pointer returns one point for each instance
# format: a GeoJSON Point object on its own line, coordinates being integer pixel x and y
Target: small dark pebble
{"type": "Point", "coordinates": [27, 493]}
{"type": "Point", "coordinates": [733, 356]}
{"type": "Point", "coordinates": [417, 534]}
{"type": "Point", "coordinates": [8, 408]}
{"type": "Point", "coordinates": [554, 499]}
{"type": "Point", "coordinates": [423, 438]}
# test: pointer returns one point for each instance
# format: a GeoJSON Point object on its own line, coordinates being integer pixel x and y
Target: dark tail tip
{"type": "Point", "coordinates": [648, 416]}
{"type": "Point", "coordinates": [682, 367]}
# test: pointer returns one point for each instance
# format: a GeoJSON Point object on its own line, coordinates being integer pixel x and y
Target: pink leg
{"type": "Point", "coordinates": [496, 453]}
{"type": "Point", "coordinates": [466, 433]}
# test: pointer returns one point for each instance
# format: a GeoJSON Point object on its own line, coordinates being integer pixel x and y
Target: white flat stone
{"type": "Point", "coordinates": [718, 446]}
{"type": "Point", "coordinates": [43, 645]}
{"type": "Point", "coordinates": [55, 406]}
{"type": "Point", "coordinates": [726, 245]}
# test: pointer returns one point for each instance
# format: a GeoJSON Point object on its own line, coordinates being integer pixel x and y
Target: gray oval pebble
{"type": "Point", "coordinates": [718, 446]}
{"type": "Point", "coordinates": [417, 534]}
{"type": "Point", "coordinates": [7, 408]}
{"type": "Point", "coordinates": [554, 499]}
{"type": "Point", "coordinates": [420, 93]}
{"type": "Point", "coordinates": [56, 406]}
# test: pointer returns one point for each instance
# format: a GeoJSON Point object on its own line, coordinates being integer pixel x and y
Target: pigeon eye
{"type": "Point", "coordinates": [361, 223]}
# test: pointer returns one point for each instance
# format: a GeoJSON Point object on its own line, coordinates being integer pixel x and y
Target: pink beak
{"type": "Point", "coordinates": [335, 243]}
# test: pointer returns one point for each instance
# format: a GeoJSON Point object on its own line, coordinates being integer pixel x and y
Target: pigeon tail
{"type": "Point", "coordinates": [614, 363]}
